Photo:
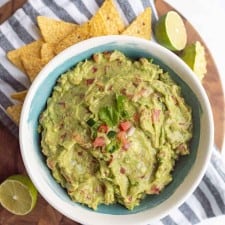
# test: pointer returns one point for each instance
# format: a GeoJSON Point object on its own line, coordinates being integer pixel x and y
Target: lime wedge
{"type": "Point", "coordinates": [194, 56]}
{"type": "Point", "coordinates": [171, 32]}
{"type": "Point", "coordinates": [18, 194]}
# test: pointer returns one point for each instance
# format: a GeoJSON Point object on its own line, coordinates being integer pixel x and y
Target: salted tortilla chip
{"type": "Point", "coordinates": [141, 26]}
{"type": "Point", "coordinates": [107, 20]}
{"type": "Point", "coordinates": [32, 66]}
{"type": "Point", "coordinates": [54, 30]}
{"type": "Point", "coordinates": [79, 34]}
{"type": "Point", "coordinates": [14, 112]}
{"type": "Point", "coordinates": [112, 18]}
{"type": "Point", "coordinates": [47, 52]}
{"type": "Point", "coordinates": [32, 50]}
{"type": "Point", "coordinates": [20, 96]}
{"type": "Point", "coordinates": [97, 26]}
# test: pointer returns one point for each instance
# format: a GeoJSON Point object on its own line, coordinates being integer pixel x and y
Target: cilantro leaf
{"type": "Point", "coordinates": [109, 115]}
{"type": "Point", "coordinates": [120, 105]}
{"type": "Point", "coordinates": [120, 100]}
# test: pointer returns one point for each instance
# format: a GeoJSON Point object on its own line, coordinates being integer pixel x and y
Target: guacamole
{"type": "Point", "coordinates": [113, 130]}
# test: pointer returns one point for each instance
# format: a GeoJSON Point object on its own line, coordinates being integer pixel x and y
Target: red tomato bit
{"type": "Point", "coordinates": [136, 117]}
{"type": "Point", "coordinates": [122, 137]}
{"type": "Point", "coordinates": [125, 126]}
{"type": "Point", "coordinates": [103, 128]}
{"type": "Point", "coordinates": [90, 81]}
{"type": "Point", "coordinates": [155, 189]}
{"type": "Point", "coordinates": [99, 142]}
{"type": "Point", "coordinates": [94, 69]}
{"type": "Point", "coordinates": [155, 115]}
{"type": "Point", "coordinates": [122, 170]}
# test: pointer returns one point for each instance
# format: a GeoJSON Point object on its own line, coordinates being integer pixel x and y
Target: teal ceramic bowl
{"type": "Point", "coordinates": [188, 171]}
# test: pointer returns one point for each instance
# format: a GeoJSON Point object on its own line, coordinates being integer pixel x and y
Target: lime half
{"type": "Point", "coordinates": [170, 31]}
{"type": "Point", "coordinates": [18, 194]}
{"type": "Point", "coordinates": [194, 56]}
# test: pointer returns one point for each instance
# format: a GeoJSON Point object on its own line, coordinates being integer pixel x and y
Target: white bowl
{"type": "Point", "coordinates": [189, 170]}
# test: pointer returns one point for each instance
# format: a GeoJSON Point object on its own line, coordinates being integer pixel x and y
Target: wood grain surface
{"type": "Point", "coordinates": [11, 161]}
{"type": "Point", "coordinates": [9, 8]}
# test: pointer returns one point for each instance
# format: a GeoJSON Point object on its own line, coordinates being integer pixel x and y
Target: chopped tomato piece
{"type": "Point", "coordinates": [155, 190]}
{"type": "Point", "coordinates": [103, 128]}
{"type": "Point", "coordinates": [99, 142]}
{"type": "Point", "coordinates": [110, 160]}
{"type": "Point", "coordinates": [94, 69]}
{"type": "Point", "coordinates": [126, 146]}
{"type": "Point", "coordinates": [125, 126]}
{"type": "Point", "coordinates": [122, 170]}
{"type": "Point", "coordinates": [136, 117]}
{"type": "Point", "coordinates": [90, 81]}
{"type": "Point", "coordinates": [107, 55]}
{"type": "Point", "coordinates": [155, 115]}
{"type": "Point", "coordinates": [122, 137]}
{"type": "Point", "coordinates": [96, 57]}
{"type": "Point", "coordinates": [51, 163]}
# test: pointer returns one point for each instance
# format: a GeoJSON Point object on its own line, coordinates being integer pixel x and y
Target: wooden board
{"type": "Point", "coordinates": [9, 8]}
{"type": "Point", "coordinates": [11, 161]}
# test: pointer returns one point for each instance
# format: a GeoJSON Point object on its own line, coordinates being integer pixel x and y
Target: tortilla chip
{"type": "Point", "coordinates": [53, 30]}
{"type": "Point", "coordinates": [32, 66]}
{"type": "Point", "coordinates": [97, 26]}
{"type": "Point", "coordinates": [19, 96]}
{"type": "Point", "coordinates": [32, 50]}
{"type": "Point", "coordinates": [141, 26]}
{"type": "Point", "coordinates": [113, 21]}
{"type": "Point", "coordinates": [14, 112]}
{"type": "Point", "coordinates": [106, 21]}
{"type": "Point", "coordinates": [47, 52]}
{"type": "Point", "coordinates": [81, 33]}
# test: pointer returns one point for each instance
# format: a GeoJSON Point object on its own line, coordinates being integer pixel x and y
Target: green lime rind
{"type": "Point", "coordinates": [194, 56]}
{"type": "Point", "coordinates": [188, 55]}
{"type": "Point", "coordinates": [161, 34]}
{"type": "Point", "coordinates": [16, 183]}
{"type": "Point", "coordinates": [166, 31]}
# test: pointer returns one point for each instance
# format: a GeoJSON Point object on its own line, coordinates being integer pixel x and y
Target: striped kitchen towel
{"type": "Point", "coordinates": [208, 200]}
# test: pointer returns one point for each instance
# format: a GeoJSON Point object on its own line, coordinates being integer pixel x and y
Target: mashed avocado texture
{"type": "Point", "coordinates": [113, 130]}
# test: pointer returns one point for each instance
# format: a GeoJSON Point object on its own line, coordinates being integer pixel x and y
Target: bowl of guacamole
{"type": "Point", "coordinates": [116, 128]}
